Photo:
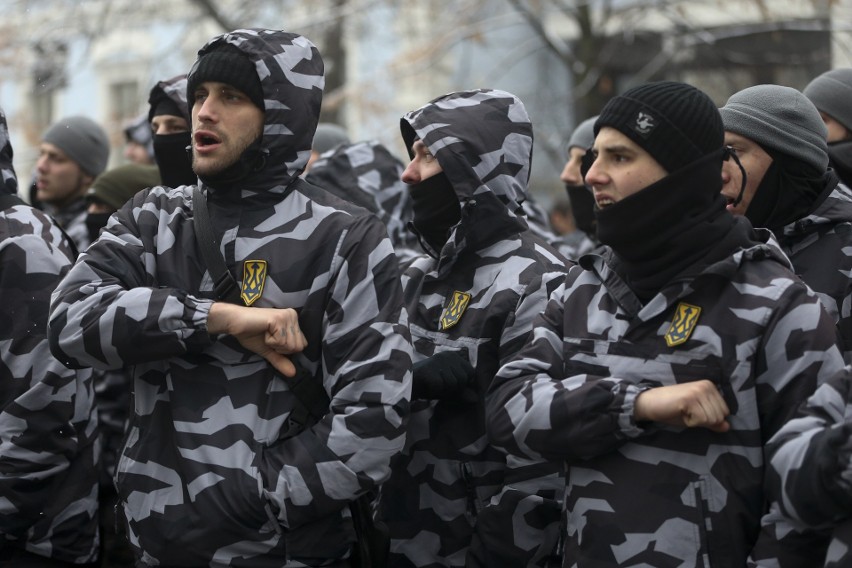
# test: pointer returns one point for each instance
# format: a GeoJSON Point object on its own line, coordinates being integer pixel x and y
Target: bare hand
{"type": "Point", "coordinates": [272, 333]}
{"type": "Point", "coordinates": [694, 404]}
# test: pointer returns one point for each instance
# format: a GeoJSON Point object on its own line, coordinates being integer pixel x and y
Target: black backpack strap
{"type": "Point", "coordinates": [224, 284]}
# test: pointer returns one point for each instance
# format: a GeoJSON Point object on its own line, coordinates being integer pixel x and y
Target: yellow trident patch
{"type": "Point", "coordinates": [683, 323]}
{"type": "Point", "coordinates": [254, 276]}
{"type": "Point", "coordinates": [453, 312]}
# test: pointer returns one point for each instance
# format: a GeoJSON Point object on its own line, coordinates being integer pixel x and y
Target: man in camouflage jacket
{"type": "Point", "coordinates": [659, 371]}
{"type": "Point", "coordinates": [811, 473]}
{"type": "Point", "coordinates": [471, 301]}
{"type": "Point", "coordinates": [214, 472]}
{"type": "Point", "coordinates": [780, 139]}
{"type": "Point", "coordinates": [48, 425]}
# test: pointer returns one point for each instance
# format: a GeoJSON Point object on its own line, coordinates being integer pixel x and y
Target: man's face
{"type": "Point", "coordinates": [755, 162]}
{"type": "Point", "coordinates": [836, 131]}
{"type": "Point", "coordinates": [136, 153]}
{"type": "Point", "coordinates": [169, 124]}
{"type": "Point", "coordinates": [621, 168]}
{"type": "Point", "coordinates": [224, 123]}
{"type": "Point", "coordinates": [571, 172]}
{"type": "Point", "coordinates": [423, 166]}
{"type": "Point", "coordinates": [59, 180]}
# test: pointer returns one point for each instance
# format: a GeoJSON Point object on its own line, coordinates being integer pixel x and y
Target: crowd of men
{"type": "Point", "coordinates": [264, 345]}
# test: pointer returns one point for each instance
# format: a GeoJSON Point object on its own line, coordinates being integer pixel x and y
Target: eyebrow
{"type": "Point", "coordinates": [617, 148]}
{"type": "Point", "coordinates": [418, 144]}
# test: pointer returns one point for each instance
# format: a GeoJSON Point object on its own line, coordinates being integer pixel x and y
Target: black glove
{"type": "Point", "coordinates": [443, 376]}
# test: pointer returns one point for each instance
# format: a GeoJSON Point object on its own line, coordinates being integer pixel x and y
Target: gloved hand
{"type": "Point", "coordinates": [443, 376]}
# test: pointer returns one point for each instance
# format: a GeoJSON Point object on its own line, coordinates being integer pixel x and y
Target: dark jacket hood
{"type": "Point", "coordinates": [368, 175]}
{"type": "Point", "coordinates": [7, 170]}
{"type": "Point", "coordinates": [290, 70]}
{"type": "Point", "coordinates": [483, 140]}
{"type": "Point", "coordinates": [174, 89]}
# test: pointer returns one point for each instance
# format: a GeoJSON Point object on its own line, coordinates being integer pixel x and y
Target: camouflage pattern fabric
{"type": "Point", "coordinates": [576, 244]}
{"type": "Point", "coordinates": [820, 248]}
{"type": "Point", "coordinates": [48, 424]}
{"type": "Point", "coordinates": [477, 296]}
{"type": "Point", "coordinates": [647, 494]}
{"type": "Point", "coordinates": [175, 89]}
{"type": "Point", "coordinates": [72, 218]}
{"type": "Point", "coordinates": [811, 459]}
{"type": "Point", "coordinates": [368, 175]}
{"type": "Point", "coordinates": [210, 474]}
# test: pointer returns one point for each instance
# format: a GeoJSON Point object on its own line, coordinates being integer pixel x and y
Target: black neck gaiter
{"type": "Point", "coordinates": [840, 156]}
{"type": "Point", "coordinates": [436, 209]}
{"type": "Point", "coordinates": [673, 227]}
{"type": "Point", "coordinates": [174, 159]}
{"type": "Point", "coordinates": [790, 189]}
{"type": "Point", "coordinates": [583, 207]}
{"type": "Point", "coordinates": [94, 223]}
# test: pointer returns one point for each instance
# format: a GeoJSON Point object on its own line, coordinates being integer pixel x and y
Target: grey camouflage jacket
{"type": "Point", "coordinates": [650, 494]}
{"type": "Point", "coordinates": [820, 248]}
{"type": "Point", "coordinates": [48, 425]}
{"type": "Point", "coordinates": [811, 471]}
{"type": "Point", "coordinates": [213, 473]}
{"type": "Point", "coordinates": [477, 296]}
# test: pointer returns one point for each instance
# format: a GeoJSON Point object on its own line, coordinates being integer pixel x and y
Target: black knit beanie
{"type": "Point", "coordinates": [226, 64]}
{"type": "Point", "coordinates": [674, 122]}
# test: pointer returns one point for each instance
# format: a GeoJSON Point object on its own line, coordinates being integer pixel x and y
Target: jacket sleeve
{"type": "Point", "coordinates": [366, 362]}
{"type": "Point", "coordinates": [541, 407]}
{"type": "Point", "coordinates": [810, 470]}
{"type": "Point", "coordinates": [520, 525]}
{"type": "Point", "coordinates": [110, 312]}
{"type": "Point", "coordinates": [46, 409]}
{"type": "Point", "coordinates": [800, 352]}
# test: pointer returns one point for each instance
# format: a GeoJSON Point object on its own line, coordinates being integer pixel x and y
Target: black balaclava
{"type": "Point", "coordinates": [790, 189]}
{"type": "Point", "coordinates": [94, 223]}
{"type": "Point", "coordinates": [583, 207]}
{"type": "Point", "coordinates": [436, 209]}
{"type": "Point", "coordinates": [227, 64]}
{"type": "Point", "coordinates": [840, 156]}
{"type": "Point", "coordinates": [172, 152]}
{"type": "Point", "coordinates": [174, 158]}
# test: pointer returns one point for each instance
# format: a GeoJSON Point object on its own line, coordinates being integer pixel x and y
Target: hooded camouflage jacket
{"type": "Point", "coordinates": [210, 474]}
{"type": "Point", "coordinates": [811, 471]}
{"type": "Point", "coordinates": [368, 175]}
{"type": "Point", "coordinates": [646, 493]}
{"type": "Point", "coordinates": [820, 248]}
{"type": "Point", "coordinates": [477, 296]}
{"type": "Point", "coordinates": [48, 425]}
{"type": "Point", "coordinates": [174, 89]}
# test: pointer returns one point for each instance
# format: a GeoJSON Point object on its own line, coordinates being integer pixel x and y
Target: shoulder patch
{"type": "Point", "coordinates": [254, 276]}
{"type": "Point", "coordinates": [683, 323]}
{"type": "Point", "coordinates": [454, 310]}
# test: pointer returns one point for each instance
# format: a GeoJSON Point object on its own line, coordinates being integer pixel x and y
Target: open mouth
{"type": "Point", "coordinates": [604, 202]}
{"type": "Point", "coordinates": [206, 139]}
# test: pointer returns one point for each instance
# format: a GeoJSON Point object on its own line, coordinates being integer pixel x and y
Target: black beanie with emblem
{"type": "Point", "coordinates": [226, 64]}
{"type": "Point", "coordinates": [674, 122]}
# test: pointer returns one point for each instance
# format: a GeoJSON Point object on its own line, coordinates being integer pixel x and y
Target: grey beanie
{"type": "Point", "coordinates": [584, 135]}
{"type": "Point", "coordinates": [328, 137]}
{"type": "Point", "coordinates": [831, 93]}
{"type": "Point", "coordinates": [82, 140]}
{"type": "Point", "coordinates": [781, 119]}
